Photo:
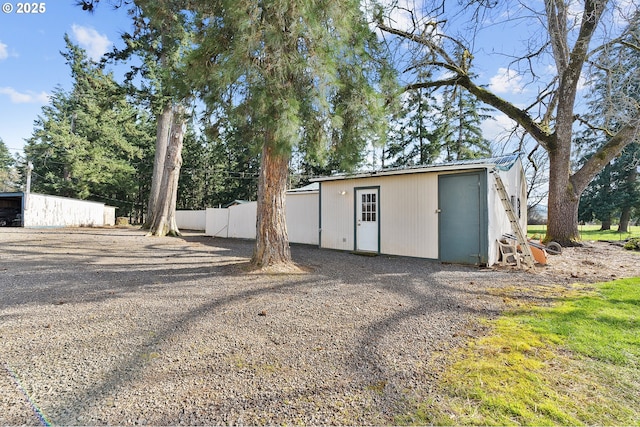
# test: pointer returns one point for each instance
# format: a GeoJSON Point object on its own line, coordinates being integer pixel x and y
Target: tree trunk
{"type": "Point", "coordinates": [562, 222]}
{"type": "Point", "coordinates": [164, 222]}
{"type": "Point", "coordinates": [163, 129]}
{"type": "Point", "coordinates": [272, 251]}
{"type": "Point", "coordinates": [625, 217]}
{"type": "Point", "coordinates": [606, 225]}
{"type": "Point", "coordinates": [564, 189]}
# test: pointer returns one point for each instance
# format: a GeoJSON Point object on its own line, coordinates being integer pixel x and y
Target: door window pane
{"type": "Point", "coordinates": [368, 207]}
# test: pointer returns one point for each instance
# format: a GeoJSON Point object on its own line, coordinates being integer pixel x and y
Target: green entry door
{"type": "Point", "coordinates": [462, 222]}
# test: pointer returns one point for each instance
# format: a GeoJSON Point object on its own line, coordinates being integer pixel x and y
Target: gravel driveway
{"type": "Point", "coordinates": [106, 326]}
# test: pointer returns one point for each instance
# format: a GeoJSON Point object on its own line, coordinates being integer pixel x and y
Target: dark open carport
{"type": "Point", "coordinates": [11, 209]}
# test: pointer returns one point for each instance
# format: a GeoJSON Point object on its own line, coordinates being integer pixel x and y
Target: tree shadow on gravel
{"type": "Point", "coordinates": [423, 293]}
{"type": "Point", "coordinates": [59, 268]}
{"type": "Point", "coordinates": [130, 369]}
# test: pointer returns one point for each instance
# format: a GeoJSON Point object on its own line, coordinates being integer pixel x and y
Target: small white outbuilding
{"type": "Point", "coordinates": [448, 212]}
{"type": "Point", "coordinates": [33, 210]}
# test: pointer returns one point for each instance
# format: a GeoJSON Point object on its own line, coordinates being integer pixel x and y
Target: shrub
{"type": "Point", "coordinates": [633, 244]}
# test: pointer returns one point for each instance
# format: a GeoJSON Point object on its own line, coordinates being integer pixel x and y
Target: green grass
{"type": "Point", "coordinates": [576, 362]}
{"type": "Point", "coordinates": [591, 232]}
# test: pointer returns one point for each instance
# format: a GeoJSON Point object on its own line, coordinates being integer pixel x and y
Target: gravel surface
{"type": "Point", "coordinates": [106, 326]}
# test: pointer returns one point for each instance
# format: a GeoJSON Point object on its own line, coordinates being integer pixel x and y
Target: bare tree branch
{"type": "Point", "coordinates": [542, 136]}
{"type": "Point", "coordinates": [605, 154]}
{"type": "Point", "coordinates": [569, 37]}
{"type": "Point", "coordinates": [604, 130]}
{"type": "Point", "coordinates": [557, 22]}
{"type": "Point", "coordinates": [431, 84]}
{"type": "Point", "coordinates": [630, 45]}
{"type": "Point", "coordinates": [444, 65]}
{"type": "Point", "coordinates": [425, 41]}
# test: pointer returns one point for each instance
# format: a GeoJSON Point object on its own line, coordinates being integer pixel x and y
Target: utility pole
{"type": "Point", "coordinates": [28, 187]}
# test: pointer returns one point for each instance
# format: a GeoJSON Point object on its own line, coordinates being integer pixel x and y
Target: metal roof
{"type": "Point", "coordinates": [314, 186]}
{"type": "Point", "coordinates": [235, 202]}
{"type": "Point", "coordinates": [500, 162]}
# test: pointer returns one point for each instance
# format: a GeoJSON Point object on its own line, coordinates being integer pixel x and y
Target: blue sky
{"type": "Point", "coordinates": [30, 62]}
{"type": "Point", "coordinates": [31, 65]}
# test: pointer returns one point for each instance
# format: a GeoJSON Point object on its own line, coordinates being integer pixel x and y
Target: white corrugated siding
{"type": "Point", "coordinates": [408, 218]}
{"type": "Point", "coordinates": [217, 222]}
{"type": "Point", "coordinates": [515, 183]}
{"type": "Point", "coordinates": [110, 215]}
{"type": "Point", "coordinates": [240, 221]}
{"type": "Point", "coordinates": [337, 211]}
{"type": "Point", "coordinates": [53, 211]}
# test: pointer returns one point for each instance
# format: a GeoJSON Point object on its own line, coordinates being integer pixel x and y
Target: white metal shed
{"type": "Point", "coordinates": [450, 212]}
{"type": "Point", "coordinates": [41, 210]}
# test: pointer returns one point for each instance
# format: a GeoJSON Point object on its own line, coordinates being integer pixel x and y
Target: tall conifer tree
{"type": "Point", "coordinates": [87, 141]}
{"type": "Point", "coordinates": [303, 73]}
{"type": "Point", "coordinates": [289, 60]}
{"type": "Point", "coordinates": [6, 168]}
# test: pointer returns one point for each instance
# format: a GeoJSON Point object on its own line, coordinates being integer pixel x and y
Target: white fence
{"type": "Point", "coordinates": [239, 221]}
{"type": "Point", "coordinates": [191, 220]}
{"type": "Point", "coordinates": [217, 222]}
{"type": "Point", "coordinates": [303, 217]}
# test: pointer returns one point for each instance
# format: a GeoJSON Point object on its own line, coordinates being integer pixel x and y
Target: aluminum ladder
{"type": "Point", "coordinates": [521, 237]}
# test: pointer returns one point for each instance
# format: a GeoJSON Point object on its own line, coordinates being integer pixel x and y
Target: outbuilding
{"type": "Point", "coordinates": [33, 210]}
{"type": "Point", "coordinates": [450, 212]}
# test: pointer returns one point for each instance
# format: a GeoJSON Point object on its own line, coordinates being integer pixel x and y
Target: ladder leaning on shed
{"type": "Point", "coordinates": [527, 255]}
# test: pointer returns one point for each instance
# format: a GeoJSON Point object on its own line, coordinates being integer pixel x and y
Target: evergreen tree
{"type": "Point", "coordinates": [159, 38]}
{"type": "Point", "coordinates": [236, 157]}
{"type": "Point", "coordinates": [432, 129]}
{"type": "Point", "coordinates": [416, 138]}
{"type": "Point", "coordinates": [302, 74]}
{"type": "Point", "coordinates": [7, 163]}
{"type": "Point", "coordinates": [615, 190]}
{"type": "Point", "coordinates": [628, 195]}
{"type": "Point", "coordinates": [6, 160]}
{"type": "Point", "coordinates": [598, 201]}
{"type": "Point", "coordinates": [458, 126]}
{"type": "Point", "coordinates": [219, 166]}
{"type": "Point", "coordinates": [192, 183]}
{"type": "Point", "coordinates": [161, 43]}
{"type": "Point", "coordinates": [86, 141]}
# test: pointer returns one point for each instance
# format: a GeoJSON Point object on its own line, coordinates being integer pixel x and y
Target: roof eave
{"type": "Point", "coordinates": [443, 168]}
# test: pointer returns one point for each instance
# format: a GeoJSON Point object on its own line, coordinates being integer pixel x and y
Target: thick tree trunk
{"type": "Point", "coordinates": [165, 210]}
{"type": "Point", "coordinates": [562, 223]}
{"type": "Point", "coordinates": [625, 217]}
{"type": "Point", "coordinates": [606, 225]}
{"type": "Point", "coordinates": [271, 252]}
{"type": "Point", "coordinates": [163, 129]}
{"type": "Point", "coordinates": [564, 189]}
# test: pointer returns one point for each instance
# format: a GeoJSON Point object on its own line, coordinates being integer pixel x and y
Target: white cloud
{"type": "Point", "coordinates": [4, 53]}
{"type": "Point", "coordinates": [94, 43]}
{"type": "Point", "coordinates": [404, 14]}
{"type": "Point", "coordinates": [506, 81]}
{"type": "Point", "coordinates": [28, 97]}
{"type": "Point", "coordinates": [583, 83]}
{"type": "Point", "coordinates": [497, 129]}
